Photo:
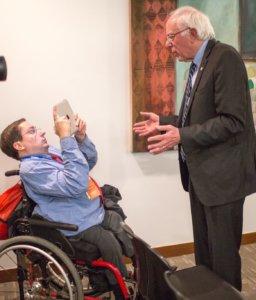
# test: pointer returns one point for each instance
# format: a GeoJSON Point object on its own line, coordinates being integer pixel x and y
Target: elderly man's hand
{"type": "Point", "coordinates": [162, 142]}
{"type": "Point", "coordinates": [147, 127]}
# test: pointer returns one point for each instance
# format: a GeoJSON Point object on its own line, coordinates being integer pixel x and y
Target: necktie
{"type": "Point", "coordinates": [192, 70]}
{"type": "Point", "coordinates": [188, 89]}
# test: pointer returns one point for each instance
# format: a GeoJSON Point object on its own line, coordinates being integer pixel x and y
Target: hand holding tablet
{"type": "Point", "coordinates": [64, 109]}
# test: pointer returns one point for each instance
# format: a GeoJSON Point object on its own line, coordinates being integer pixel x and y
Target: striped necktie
{"type": "Point", "coordinates": [192, 70]}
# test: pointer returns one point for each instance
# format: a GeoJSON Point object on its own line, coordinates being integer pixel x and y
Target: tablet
{"type": "Point", "coordinates": [64, 109]}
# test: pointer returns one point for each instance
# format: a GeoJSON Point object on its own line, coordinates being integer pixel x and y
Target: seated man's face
{"type": "Point", "coordinates": [33, 140]}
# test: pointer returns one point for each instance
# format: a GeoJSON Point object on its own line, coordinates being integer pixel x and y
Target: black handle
{"type": "Point", "coordinates": [12, 173]}
{"type": "Point", "coordinates": [56, 225]}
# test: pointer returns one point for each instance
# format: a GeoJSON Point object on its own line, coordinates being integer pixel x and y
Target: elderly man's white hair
{"type": "Point", "coordinates": [188, 16]}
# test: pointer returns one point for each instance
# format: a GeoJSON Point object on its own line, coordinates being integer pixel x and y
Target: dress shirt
{"type": "Point", "coordinates": [59, 189]}
{"type": "Point", "coordinates": [198, 59]}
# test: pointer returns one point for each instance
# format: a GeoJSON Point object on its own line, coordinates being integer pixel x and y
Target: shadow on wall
{"type": "Point", "coordinates": [162, 164]}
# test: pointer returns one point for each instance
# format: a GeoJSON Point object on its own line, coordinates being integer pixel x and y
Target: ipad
{"type": "Point", "coordinates": [64, 109]}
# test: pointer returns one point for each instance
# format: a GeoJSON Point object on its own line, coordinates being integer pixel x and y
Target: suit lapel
{"type": "Point", "coordinates": [200, 72]}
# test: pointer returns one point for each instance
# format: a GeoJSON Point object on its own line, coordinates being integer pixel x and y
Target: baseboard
{"type": "Point", "coordinates": [249, 238]}
{"type": "Point", "coordinates": [188, 248]}
{"type": "Point", "coordinates": [9, 275]}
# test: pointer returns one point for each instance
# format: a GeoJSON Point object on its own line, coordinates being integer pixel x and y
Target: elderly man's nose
{"type": "Point", "coordinates": [168, 43]}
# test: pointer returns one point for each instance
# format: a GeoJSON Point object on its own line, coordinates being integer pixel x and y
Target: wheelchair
{"type": "Point", "coordinates": [39, 262]}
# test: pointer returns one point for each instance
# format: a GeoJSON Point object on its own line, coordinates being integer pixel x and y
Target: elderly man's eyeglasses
{"type": "Point", "coordinates": [171, 36]}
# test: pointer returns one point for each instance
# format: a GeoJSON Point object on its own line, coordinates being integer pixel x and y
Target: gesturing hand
{"type": "Point", "coordinates": [147, 127]}
{"type": "Point", "coordinates": [162, 142]}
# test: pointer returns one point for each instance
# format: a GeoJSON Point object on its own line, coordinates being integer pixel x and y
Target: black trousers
{"type": "Point", "coordinates": [111, 241]}
{"type": "Point", "coordinates": [217, 237]}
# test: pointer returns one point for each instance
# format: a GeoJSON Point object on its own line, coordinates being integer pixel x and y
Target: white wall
{"type": "Point", "coordinates": [79, 50]}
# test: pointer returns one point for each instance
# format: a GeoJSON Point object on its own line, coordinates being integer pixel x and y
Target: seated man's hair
{"type": "Point", "coordinates": [9, 136]}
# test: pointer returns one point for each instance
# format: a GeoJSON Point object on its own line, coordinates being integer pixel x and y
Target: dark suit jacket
{"type": "Point", "coordinates": [219, 135]}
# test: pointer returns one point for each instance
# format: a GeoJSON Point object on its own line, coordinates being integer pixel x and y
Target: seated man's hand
{"type": "Point", "coordinates": [61, 124]}
{"type": "Point", "coordinates": [81, 130]}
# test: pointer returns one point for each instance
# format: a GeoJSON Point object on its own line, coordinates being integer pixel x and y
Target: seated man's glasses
{"type": "Point", "coordinates": [32, 130]}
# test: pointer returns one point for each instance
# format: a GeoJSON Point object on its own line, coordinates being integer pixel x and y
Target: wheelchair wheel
{"type": "Point", "coordinates": [34, 268]}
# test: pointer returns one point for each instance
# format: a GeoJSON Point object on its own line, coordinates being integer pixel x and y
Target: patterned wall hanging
{"type": "Point", "coordinates": [153, 68]}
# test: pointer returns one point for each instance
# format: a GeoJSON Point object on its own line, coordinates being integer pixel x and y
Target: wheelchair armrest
{"type": "Point", "coordinates": [48, 224]}
{"type": "Point", "coordinates": [12, 173]}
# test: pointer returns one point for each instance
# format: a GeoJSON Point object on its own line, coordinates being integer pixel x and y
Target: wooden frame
{"type": "Point", "coordinates": [248, 29]}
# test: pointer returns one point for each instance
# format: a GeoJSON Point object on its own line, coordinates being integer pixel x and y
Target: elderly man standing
{"type": "Point", "coordinates": [215, 135]}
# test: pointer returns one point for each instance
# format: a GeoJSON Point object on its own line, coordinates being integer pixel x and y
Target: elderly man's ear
{"type": "Point", "coordinates": [193, 33]}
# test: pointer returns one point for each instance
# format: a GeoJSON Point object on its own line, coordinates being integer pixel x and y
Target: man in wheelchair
{"type": "Point", "coordinates": [59, 183]}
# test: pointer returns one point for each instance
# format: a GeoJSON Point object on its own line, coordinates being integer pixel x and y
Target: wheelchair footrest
{"type": "Point", "coordinates": [198, 283]}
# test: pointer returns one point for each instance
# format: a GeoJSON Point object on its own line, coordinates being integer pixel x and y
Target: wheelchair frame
{"type": "Point", "coordinates": [46, 262]}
